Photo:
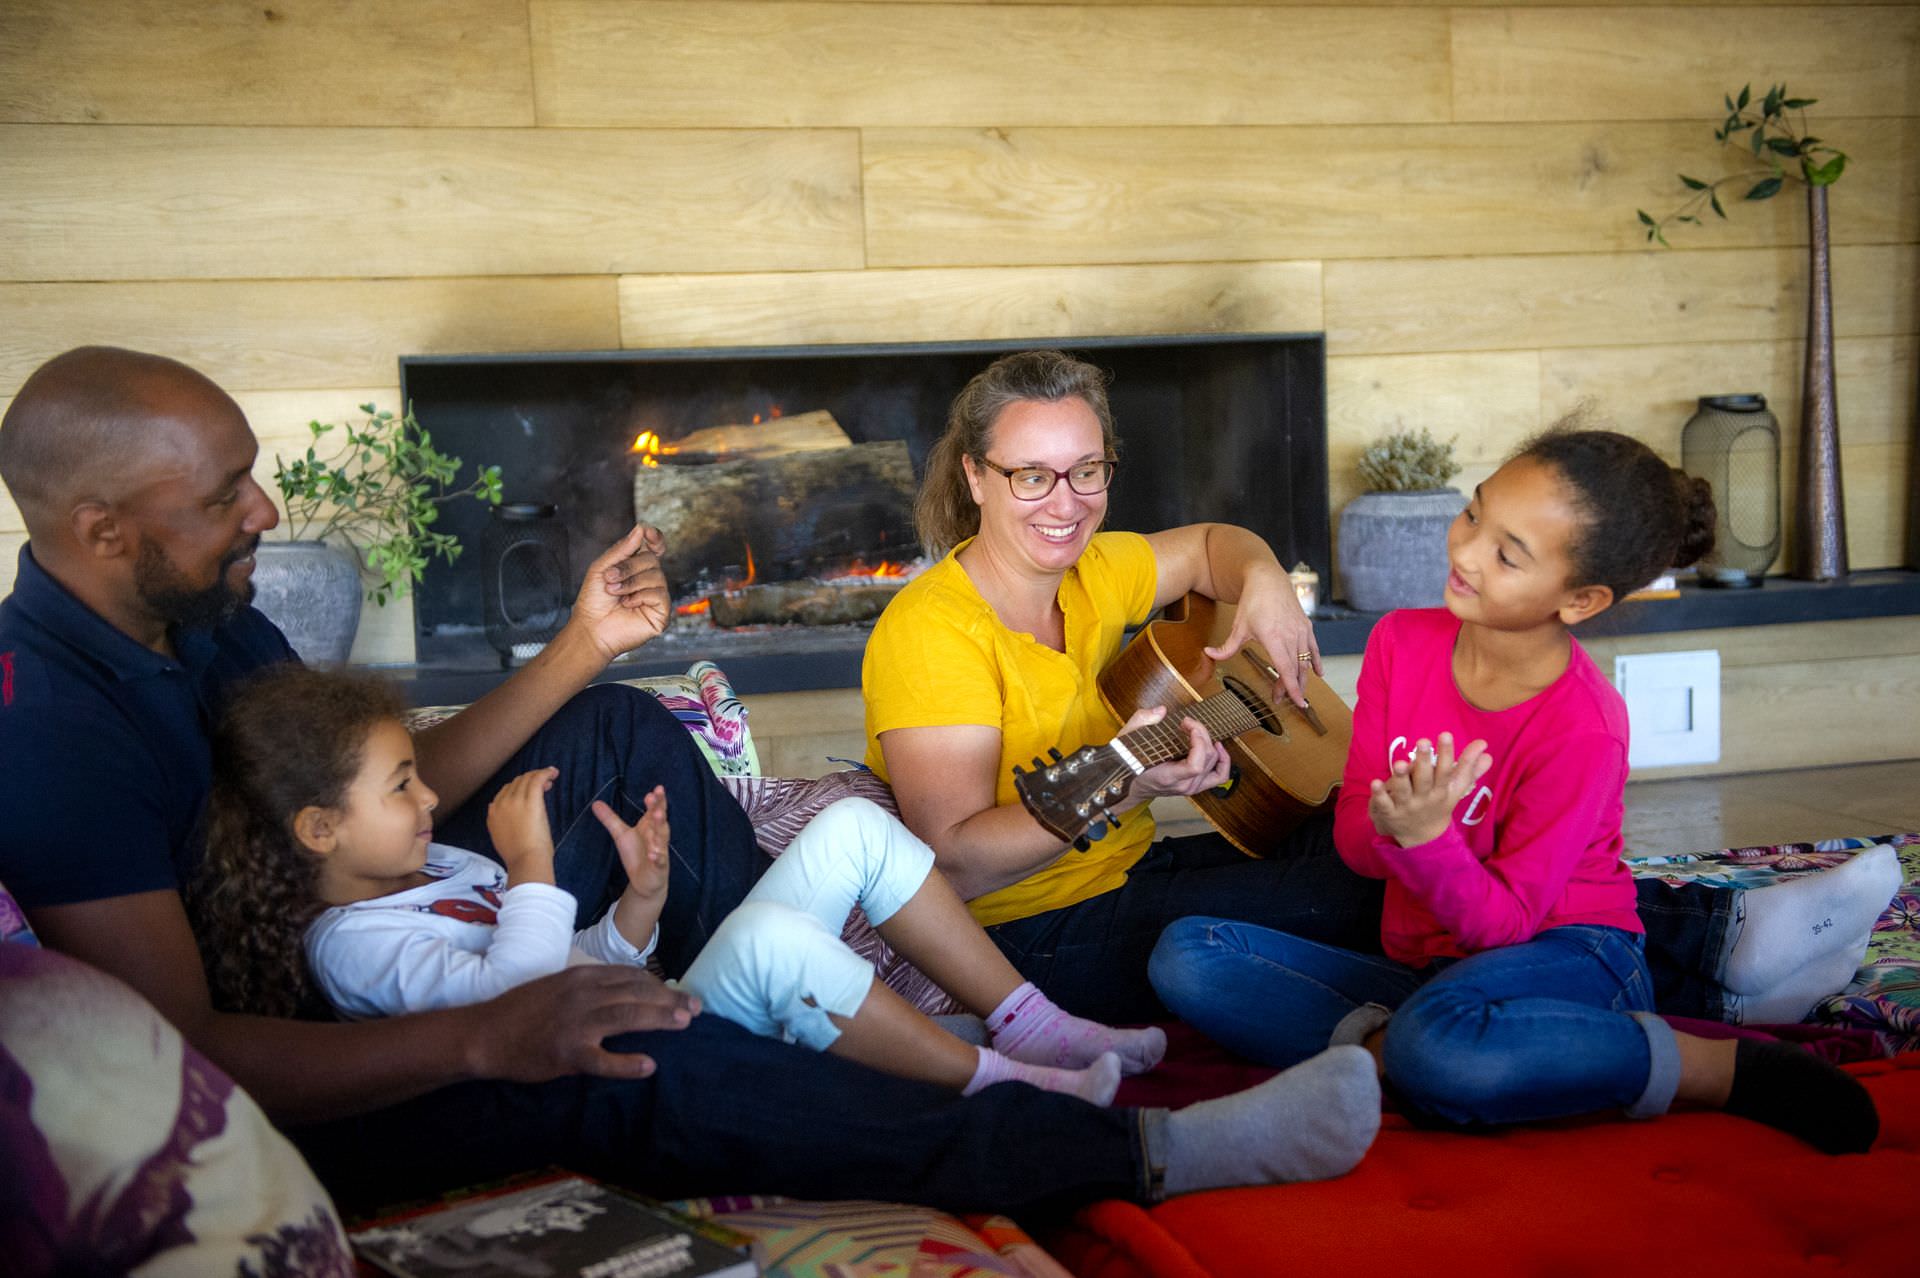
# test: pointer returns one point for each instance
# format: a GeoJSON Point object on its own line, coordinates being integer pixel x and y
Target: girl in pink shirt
{"type": "Point", "coordinates": [1485, 785]}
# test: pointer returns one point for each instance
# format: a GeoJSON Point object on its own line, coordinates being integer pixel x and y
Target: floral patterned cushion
{"type": "Point", "coordinates": [1884, 997]}
{"type": "Point", "coordinates": [125, 1150]}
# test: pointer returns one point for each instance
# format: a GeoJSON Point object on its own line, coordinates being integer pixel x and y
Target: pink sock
{"type": "Point", "coordinates": [1095, 1084]}
{"type": "Point", "coordinates": [1028, 1027]}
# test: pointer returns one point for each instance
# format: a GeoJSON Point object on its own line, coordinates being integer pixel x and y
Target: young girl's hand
{"type": "Point", "coordinates": [517, 820]}
{"type": "Point", "coordinates": [642, 845]}
{"type": "Point", "coordinates": [1415, 805]}
{"type": "Point", "coordinates": [643, 851]}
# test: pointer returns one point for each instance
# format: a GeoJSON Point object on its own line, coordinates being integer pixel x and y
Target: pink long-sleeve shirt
{"type": "Point", "coordinates": [1536, 844]}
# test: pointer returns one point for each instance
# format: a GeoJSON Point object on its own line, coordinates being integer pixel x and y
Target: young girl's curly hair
{"type": "Point", "coordinates": [1639, 516]}
{"type": "Point", "coordinates": [292, 738]}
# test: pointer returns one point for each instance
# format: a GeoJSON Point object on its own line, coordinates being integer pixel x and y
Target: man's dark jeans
{"type": "Point", "coordinates": [727, 1110]}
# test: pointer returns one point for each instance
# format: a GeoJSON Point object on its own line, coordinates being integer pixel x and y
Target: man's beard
{"type": "Point", "coordinates": [161, 588]}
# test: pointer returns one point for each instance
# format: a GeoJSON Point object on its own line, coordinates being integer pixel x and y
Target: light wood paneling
{"type": "Point", "coordinates": [352, 62]}
{"type": "Point", "coordinates": [1793, 696]}
{"type": "Point", "coordinates": [960, 304]}
{"type": "Point", "coordinates": [1485, 403]}
{"type": "Point", "coordinates": [1650, 391]}
{"type": "Point", "coordinates": [714, 64]}
{"type": "Point", "coordinates": [1635, 64]}
{"type": "Point", "coordinates": [796, 732]}
{"type": "Point", "coordinates": [972, 197]}
{"type": "Point", "coordinates": [292, 203]}
{"type": "Point", "coordinates": [1507, 303]}
{"type": "Point", "coordinates": [1399, 4]}
{"type": "Point", "coordinates": [305, 333]}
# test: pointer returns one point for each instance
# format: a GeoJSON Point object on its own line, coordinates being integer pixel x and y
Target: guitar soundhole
{"type": "Point", "coordinates": [1256, 705]}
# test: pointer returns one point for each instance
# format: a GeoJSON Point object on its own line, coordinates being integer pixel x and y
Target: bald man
{"type": "Point", "coordinates": [127, 625]}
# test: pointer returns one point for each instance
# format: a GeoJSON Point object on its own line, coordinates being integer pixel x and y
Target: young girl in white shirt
{"type": "Point", "coordinates": [321, 876]}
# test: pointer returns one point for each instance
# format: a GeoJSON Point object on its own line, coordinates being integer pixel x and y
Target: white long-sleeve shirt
{"type": "Point", "coordinates": [463, 938]}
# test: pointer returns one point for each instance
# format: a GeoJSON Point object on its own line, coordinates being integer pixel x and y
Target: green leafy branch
{"type": "Point", "coordinates": [1782, 150]}
{"type": "Point", "coordinates": [380, 493]}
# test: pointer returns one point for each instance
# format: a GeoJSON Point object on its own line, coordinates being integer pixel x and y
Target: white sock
{"type": "Point", "coordinates": [1094, 1083]}
{"type": "Point", "coordinates": [1789, 1002]}
{"type": "Point", "coordinates": [1790, 925]}
{"type": "Point", "coordinates": [1312, 1122]}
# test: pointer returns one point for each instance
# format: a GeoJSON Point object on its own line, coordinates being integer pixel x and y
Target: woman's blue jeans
{"type": "Point", "coordinates": [1558, 1025]}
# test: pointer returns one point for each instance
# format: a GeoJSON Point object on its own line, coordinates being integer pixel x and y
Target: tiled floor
{"type": "Point", "coordinates": [1703, 814]}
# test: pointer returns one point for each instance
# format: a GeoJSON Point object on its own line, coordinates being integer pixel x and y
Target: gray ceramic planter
{"type": "Point", "coordinates": [312, 592]}
{"type": "Point", "coordinates": [1393, 548]}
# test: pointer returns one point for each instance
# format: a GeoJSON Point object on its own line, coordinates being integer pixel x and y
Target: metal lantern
{"type": "Point", "coordinates": [525, 585]}
{"type": "Point", "coordinates": [1733, 443]}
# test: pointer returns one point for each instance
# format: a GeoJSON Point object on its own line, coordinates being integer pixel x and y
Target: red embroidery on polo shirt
{"type": "Point", "coordinates": [6, 678]}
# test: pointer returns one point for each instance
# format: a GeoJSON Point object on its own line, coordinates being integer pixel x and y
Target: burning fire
{"type": "Point", "coordinates": [887, 568]}
{"type": "Point", "coordinates": [648, 445]}
{"type": "Point", "coordinates": [699, 606]}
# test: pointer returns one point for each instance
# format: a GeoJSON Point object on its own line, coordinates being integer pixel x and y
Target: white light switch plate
{"type": "Point", "coordinates": [1673, 707]}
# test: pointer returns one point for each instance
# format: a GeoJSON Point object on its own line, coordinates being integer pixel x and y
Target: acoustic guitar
{"type": "Point", "coordinates": [1286, 761]}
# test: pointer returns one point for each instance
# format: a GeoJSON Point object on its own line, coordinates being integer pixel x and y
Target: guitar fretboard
{"type": "Point", "coordinates": [1223, 715]}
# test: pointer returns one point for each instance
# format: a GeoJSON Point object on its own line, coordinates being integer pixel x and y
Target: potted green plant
{"type": "Point", "coordinates": [1773, 132]}
{"type": "Point", "coordinates": [366, 511]}
{"type": "Point", "coordinates": [1393, 537]}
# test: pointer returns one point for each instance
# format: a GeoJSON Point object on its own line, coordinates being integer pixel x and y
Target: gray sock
{"type": "Point", "coordinates": [1312, 1122]}
{"type": "Point", "coordinates": [1789, 1002]}
{"type": "Point", "coordinates": [1789, 925]}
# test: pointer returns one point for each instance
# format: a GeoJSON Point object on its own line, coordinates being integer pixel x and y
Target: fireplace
{"type": "Point", "coordinates": [1220, 427]}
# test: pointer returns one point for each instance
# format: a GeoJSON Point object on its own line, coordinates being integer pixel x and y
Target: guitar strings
{"type": "Point", "coordinates": [1223, 714]}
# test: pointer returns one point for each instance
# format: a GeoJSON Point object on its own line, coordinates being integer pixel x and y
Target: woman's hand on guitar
{"type": "Point", "coordinates": [1269, 615]}
{"type": "Point", "coordinates": [1205, 766]}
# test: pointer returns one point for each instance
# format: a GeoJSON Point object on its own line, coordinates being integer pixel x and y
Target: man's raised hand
{"type": "Point", "coordinates": [623, 602]}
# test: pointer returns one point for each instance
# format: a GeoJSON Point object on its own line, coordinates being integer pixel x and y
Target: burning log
{"type": "Point", "coordinates": [801, 433]}
{"type": "Point", "coordinates": [807, 603]}
{"type": "Point", "coordinates": [797, 511]}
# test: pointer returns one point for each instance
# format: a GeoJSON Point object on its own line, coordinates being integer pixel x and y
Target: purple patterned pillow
{"type": "Point", "coordinates": [126, 1150]}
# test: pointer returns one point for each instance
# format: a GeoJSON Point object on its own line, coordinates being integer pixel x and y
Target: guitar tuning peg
{"type": "Point", "coordinates": [1037, 763]}
{"type": "Point", "coordinates": [1052, 754]}
{"type": "Point", "coordinates": [1019, 771]}
{"type": "Point", "coordinates": [1080, 844]}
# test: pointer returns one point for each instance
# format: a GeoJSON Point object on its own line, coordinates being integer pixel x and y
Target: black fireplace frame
{"type": "Point", "coordinates": [1260, 396]}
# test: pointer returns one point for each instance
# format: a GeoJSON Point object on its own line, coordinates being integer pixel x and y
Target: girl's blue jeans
{"type": "Point", "coordinates": [1555, 1026]}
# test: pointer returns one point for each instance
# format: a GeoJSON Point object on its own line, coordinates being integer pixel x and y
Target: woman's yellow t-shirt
{"type": "Point", "coordinates": [940, 657]}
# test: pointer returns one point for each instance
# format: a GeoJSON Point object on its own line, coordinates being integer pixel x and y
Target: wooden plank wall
{"type": "Point", "coordinates": [291, 194]}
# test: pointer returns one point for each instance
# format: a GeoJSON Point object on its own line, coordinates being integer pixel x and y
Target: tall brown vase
{"type": "Point", "coordinates": [1820, 539]}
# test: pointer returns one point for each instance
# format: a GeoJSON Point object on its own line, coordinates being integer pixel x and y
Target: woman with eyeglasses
{"type": "Point", "coordinates": [989, 658]}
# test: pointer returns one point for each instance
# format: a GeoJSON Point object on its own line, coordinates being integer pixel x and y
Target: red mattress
{"type": "Point", "coordinates": [1693, 1194]}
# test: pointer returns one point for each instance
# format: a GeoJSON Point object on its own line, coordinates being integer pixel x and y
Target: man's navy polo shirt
{"type": "Point", "coordinates": [105, 759]}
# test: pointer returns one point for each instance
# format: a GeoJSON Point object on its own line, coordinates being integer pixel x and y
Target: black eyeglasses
{"type": "Point", "coordinates": [1034, 483]}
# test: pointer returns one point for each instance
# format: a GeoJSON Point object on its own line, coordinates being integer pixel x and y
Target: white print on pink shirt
{"type": "Point", "coordinates": [1477, 803]}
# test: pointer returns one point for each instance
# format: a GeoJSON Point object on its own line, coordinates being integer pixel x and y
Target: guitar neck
{"type": "Point", "coordinates": [1223, 715]}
